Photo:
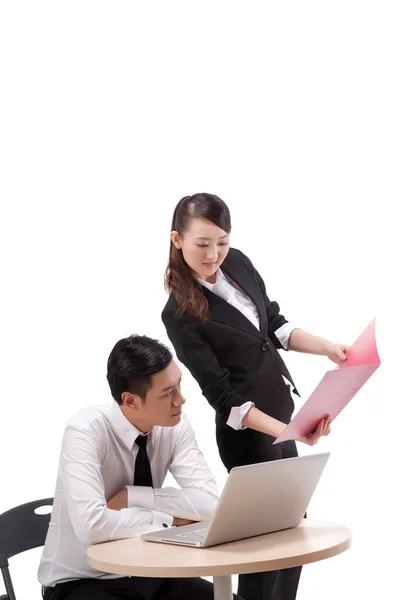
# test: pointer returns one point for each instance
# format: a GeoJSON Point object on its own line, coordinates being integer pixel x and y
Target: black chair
{"type": "Point", "coordinates": [21, 529]}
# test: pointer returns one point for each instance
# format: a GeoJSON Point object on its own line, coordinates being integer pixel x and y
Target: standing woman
{"type": "Point", "coordinates": [227, 332]}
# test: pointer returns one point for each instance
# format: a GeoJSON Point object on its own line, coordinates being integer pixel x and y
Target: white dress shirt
{"type": "Point", "coordinates": [97, 461]}
{"type": "Point", "coordinates": [226, 288]}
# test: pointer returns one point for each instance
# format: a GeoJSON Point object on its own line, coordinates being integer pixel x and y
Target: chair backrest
{"type": "Point", "coordinates": [21, 529]}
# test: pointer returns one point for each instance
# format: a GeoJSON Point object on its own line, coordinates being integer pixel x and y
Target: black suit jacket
{"type": "Point", "coordinates": [232, 360]}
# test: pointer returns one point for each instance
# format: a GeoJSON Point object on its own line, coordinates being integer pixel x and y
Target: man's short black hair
{"type": "Point", "coordinates": [131, 364]}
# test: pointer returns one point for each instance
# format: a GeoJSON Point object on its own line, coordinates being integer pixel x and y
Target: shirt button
{"type": "Point", "coordinates": [164, 525]}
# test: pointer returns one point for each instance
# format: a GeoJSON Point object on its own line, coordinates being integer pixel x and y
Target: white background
{"type": "Point", "coordinates": [110, 113]}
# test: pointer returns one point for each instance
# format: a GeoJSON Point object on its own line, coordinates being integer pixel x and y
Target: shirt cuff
{"type": "Point", "coordinates": [283, 334]}
{"type": "Point", "coordinates": [140, 496]}
{"type": "Point", "coordinates": [161, 520]}
{"type": "Point", "coordinates": [237, 415]}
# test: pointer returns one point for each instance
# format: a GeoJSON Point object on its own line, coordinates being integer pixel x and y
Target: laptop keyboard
{"type": "Point", "coordinates": [199, 534]}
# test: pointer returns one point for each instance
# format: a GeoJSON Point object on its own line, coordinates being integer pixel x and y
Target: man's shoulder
{"type": "Point", "coordinates": [89, 416]}
{"type": "Point", "coordinates": [179, 429]}
{"type": "Point", "coordinates": [184, 426]}
{"type": "Point", "coordinates": [184, 423]}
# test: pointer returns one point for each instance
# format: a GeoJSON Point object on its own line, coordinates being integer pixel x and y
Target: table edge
{"type": "Point", "coordinates": [218, 570]}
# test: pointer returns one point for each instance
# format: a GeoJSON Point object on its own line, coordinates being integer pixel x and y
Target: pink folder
{"type": "Point", "coordinates": [337, 387]}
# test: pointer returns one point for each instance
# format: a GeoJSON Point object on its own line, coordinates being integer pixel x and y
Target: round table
{"type": "Point", "coordinates": [310, 542]}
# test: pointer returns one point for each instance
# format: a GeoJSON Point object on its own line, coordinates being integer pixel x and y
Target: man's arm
{"type": "Point", "coordinates": [92, 520]}
{"type": "Point", "coordinates": [195, 499]}
{"type": "Point", "coordinates": [120, 501]}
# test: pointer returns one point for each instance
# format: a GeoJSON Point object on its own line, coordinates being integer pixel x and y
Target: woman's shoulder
{"type": "Point", "coordinates": [235, 253]}
{"type": "Point", "coordinates": [236, 256]}
{"type": "Point", "coordinates": [170, 307]}
{"type": "Point", "coordinates": [177, 323]}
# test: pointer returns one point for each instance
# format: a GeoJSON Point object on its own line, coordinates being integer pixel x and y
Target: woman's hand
{"type": "Point", "coordinates": [336, 352]}
{"type": "Point", "coordinates": [323, 428]}
{"type": "Point", "coordinates": [301, 341]}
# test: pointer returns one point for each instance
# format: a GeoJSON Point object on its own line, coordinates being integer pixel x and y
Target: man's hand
{"type": "Point", "coordinates": [118, 501]}
{"type": "Point", "coordinates": [323, 428]}
{"type": "Point", "coordinates": [179, 522]}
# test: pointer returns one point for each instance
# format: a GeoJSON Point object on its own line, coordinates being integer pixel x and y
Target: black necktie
{"type": "Point", "coordinates": [142, 464]}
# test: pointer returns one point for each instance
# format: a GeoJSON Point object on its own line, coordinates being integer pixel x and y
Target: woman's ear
{"type": "Point", "coordinates": [175, 239]}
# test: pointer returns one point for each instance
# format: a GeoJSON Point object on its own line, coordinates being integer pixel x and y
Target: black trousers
{"type": "Point", "coordinates": [246, 447]}
{"type": "Point", "coordinates": [127, 588]}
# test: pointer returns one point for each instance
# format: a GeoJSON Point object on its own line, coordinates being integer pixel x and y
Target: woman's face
{"type": "Point", "coordinates": [204, 247]}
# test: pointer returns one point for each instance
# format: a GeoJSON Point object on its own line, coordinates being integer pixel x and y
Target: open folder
{"type": "Point", "coordinates": [337, 387]}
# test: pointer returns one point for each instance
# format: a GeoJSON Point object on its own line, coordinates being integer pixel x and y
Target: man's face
{"type": "Point", "coordinates": [163, 403]}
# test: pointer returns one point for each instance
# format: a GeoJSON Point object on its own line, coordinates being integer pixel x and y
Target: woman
{"type": "Point", "coordinates": [227, 332]}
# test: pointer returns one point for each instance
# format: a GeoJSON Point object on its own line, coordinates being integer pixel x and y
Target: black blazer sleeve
{"type": "Point", "coordinates": [275, 319]}
{"type": "Point", "coordinates": [198, 357]}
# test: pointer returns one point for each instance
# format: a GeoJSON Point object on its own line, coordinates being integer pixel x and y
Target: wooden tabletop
{"type": "Point", "coordinates": [310, 542]}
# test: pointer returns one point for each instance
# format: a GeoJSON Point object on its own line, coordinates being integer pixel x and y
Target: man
{"type": "Point", "coordinates": [113, 463]}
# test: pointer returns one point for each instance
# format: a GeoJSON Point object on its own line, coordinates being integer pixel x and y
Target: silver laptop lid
{"type": "Point", "coordinates": [265, 497]}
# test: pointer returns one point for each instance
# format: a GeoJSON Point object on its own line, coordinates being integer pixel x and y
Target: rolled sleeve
{"type": "Point", "coordinates": [237, 415]}
{"type": "Point", "coordinates": [283, 334]}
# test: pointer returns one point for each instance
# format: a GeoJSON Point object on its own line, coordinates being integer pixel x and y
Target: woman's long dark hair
{"type": "Point", "coordinates": [179, 278]}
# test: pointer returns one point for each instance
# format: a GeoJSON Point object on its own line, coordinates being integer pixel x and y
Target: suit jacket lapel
{"type": "Point", "coordinates": [242, 277]}
{"type": "Point", "coordinates": [223, 312]}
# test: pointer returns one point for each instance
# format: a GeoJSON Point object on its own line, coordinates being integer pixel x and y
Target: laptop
{"type": "Point", "coordinates": [256, 499]}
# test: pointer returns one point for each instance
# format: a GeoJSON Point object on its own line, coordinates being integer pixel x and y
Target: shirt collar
{"type": "Point", "coordinates": [220, 278]}
{"type": "Point", "coordinates": [125, 431]}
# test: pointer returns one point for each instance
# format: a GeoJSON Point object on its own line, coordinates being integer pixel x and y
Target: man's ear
{"type": "Point", "coordinates": [131, 401]}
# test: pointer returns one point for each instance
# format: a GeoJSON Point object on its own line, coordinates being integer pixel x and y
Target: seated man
{"type": "Point", "coordinates": [114, 459]}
